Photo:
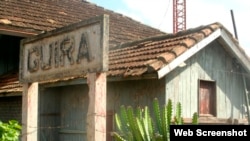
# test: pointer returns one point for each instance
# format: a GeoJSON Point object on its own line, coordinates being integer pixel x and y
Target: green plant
{"type": "Point", "coordinates": [10, 131]}
{"type": "Point", "coordinates": [138, 125]}
{"type": "Point", "coordinates": [195, 118]}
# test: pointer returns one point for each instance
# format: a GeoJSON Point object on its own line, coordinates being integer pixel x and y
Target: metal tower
{"type": "Point", "coordinates": [179, 15]}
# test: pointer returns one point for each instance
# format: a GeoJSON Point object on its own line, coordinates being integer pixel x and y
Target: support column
{"type": "Point", "coordinates": [96, 116]}
{"type": "Point", "coordinates": [30, 111]}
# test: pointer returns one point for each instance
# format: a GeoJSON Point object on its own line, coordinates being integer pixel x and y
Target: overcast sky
{"type": "Point", "coordinates": [158, 14]}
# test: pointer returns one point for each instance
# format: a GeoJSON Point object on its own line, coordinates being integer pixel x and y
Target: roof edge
{"type": "Point", "coordinates": [235, 49]}
{"type": "Point", "coordinates": [164, 36]}
{"type": "Point", "coordinates": [15, 31]}
{"type": "Point", "coordinates": [186, 55]}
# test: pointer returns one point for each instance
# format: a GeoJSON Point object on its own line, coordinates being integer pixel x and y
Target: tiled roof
{"type": "Point", "coordinates": [135, 49]}
{"type": "Point", "coordinates": [149, 55]}
{"type": "Point", "coordinates": [37, 16]}
{"type": "Point", "coordinates": [9, 83]}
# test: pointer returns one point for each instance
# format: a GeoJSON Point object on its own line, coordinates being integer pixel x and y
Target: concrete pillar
{"type": "Point", "coordinates": [30, 111]}
{"type": "Point", "coordinates": [96, 116]}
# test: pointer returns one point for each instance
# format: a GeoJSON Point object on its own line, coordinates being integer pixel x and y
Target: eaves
{"type": "Point", "coordinates": [228, 43]}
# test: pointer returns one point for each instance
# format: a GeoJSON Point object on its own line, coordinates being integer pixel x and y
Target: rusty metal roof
{"type": "Point", "coordinates": [36, 16]}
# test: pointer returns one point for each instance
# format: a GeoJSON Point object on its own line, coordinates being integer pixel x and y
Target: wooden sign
{"type": "Point", "coordinates": [70, 51]}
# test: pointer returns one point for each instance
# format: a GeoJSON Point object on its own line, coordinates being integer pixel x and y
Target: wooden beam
{"type": "Point", "coordinates": [10, 94]}
{"type": "Point", "coordinates": [30, 112]}
{"type": "Point", "coordinates": [246, 98]}
{"type": "Point", "coordinates": [96, 116]}
{"type": "Point", "coordinates": [189, 53]}
{"type": "Point", "coordinates": [17, 32]}
{"type": "Point", "coordinates": [214, 120]}
{"type": "Point", "coordinates": [79, 81]}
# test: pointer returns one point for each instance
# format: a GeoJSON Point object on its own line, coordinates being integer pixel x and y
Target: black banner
{"type": "Point", "coordinates": [178, 132]}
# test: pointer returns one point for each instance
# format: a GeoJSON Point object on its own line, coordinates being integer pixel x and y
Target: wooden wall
{"type": "Point", "coordinates": [135, 93]}
{"type": "Point", "coordinates": [211, 63]}
{"type": "Point", "coordinates": [63, 113]}
{"type": "Point", "coordinates": [63, 110]}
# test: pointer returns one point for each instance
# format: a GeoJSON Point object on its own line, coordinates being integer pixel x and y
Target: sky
{"type": "Point", "coordinates": [158, 14]}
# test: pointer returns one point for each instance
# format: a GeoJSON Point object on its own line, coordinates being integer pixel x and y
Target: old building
{"type": "Point", "coordinates": [21, 19]}
{"type": "Point", "coordinates": [203, 68]}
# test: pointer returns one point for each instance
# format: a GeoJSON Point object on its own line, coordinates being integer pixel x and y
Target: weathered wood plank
{"type": "Point", "coordinates": [212, 63]}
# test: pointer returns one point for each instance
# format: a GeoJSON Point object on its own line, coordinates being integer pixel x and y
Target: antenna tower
{"type": "Point", "coordinates": [179, 15]}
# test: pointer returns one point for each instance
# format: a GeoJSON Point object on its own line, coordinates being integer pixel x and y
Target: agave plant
{"type": "Point", "coordinates": [133, 125]}
{"type": "Point", "coordinates": [139, 125]}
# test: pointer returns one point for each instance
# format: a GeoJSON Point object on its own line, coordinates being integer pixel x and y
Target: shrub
{"type": "Point", "coordinates": [10, 131]}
